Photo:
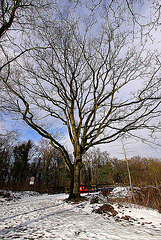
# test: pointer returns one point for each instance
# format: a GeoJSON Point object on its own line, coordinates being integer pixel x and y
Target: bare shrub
{"type": "Point", "coordinates": [148, 196]}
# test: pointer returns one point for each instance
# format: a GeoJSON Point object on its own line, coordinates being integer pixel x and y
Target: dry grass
{"type": "Point", "coordinates": [148, 196]}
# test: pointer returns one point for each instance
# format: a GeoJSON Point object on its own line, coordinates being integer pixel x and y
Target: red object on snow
{"type": "Point", "coordinates": [83, 190]}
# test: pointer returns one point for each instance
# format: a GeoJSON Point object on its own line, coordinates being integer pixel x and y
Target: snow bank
{"type": "Point", "coordinates": [120, 192]}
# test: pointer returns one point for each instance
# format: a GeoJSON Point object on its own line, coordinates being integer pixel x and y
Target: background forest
{"type": "Point", "coordinates": [19, 161]}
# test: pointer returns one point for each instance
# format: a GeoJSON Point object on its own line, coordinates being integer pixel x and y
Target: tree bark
{"type": "Point", "coordinates": [71, 184]}
{"type": "Point", "coordinates": [76, 190]}
{"type": "Point", "coordinates": [75, 181]}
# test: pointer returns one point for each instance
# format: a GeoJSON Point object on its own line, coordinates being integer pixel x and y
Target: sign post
{"type": "Point", "coordinates": [32, 181]}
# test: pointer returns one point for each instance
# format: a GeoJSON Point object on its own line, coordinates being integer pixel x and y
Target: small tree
{"type": "Point", "coordinates": [95, 163]}
{"type": "Point", "coordinates": [52, 167]}
{"type": "Point", "coordinates": [21, 166]}
{"type": "Point", "coordinates": [7, 143]}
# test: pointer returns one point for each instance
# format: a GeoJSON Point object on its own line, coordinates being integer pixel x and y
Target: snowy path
{"type": "Point", "coordinates": [49, 217]}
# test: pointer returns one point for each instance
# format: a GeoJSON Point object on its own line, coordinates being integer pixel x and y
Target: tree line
{"type": "Point", "coordinates": [19, 161]}
{"type": "Point", "coordinates": [23, 160]}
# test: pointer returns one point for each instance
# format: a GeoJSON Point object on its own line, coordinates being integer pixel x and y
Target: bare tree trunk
{"type": "Point", "coordinates": [129, 174]}
{"type": "Point", "coordinates": [76, 190]}
{"type": "Point", "coordinates": [75, 180]}
{"type": "Point", "coordinates": [71, 184]}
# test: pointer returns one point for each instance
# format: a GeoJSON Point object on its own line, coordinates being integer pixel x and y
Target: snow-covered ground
{"type": "Point", "coordinates": [50, 217]}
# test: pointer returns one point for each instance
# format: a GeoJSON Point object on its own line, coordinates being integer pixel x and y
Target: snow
{"type": "Point", "coordinates": [33, 216]}
{"type": "Point", "coordinates": [120, 192]}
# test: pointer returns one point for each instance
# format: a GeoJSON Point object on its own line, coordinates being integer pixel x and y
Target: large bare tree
{"type": "Point", "coordinates": [90, 82]}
